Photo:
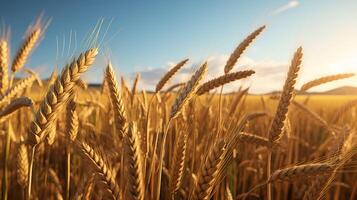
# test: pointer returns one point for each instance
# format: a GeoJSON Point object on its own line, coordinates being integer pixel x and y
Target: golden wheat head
{"type": "Point", "coordinates": [58, 95]}
{"type": "Point", "coordinates": [275, 132]}
{"type": "Point", "coordinates": [188, 91]}
{"type": "Point", "coordinates": [169, 75]}
{"type": "Point", "coordinates": [240, 49]}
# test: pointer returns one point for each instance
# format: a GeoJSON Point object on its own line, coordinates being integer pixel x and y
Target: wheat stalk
{"type": "Point", "coordinates": [229, 195]}
{"type": "Point", "coordinates": [240, 49]}
{"type": "Point", "coordinates": [343, 109]}
{"type": "Point", "coordinates": [347, 152]}
{"type": "Point", "coordinates": [88, 189]}
{"type": "Point", "coordinates": [222, 80]}
{"type": "Point", "coordinates": [169, 75]}
{"type": "Point", "coordinates": [311, 114]}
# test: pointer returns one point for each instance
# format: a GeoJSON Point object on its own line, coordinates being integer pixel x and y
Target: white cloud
{"type": "Point", "coordinates": [291, 4]}
{"type": "Point", "coordinates": [270, 74]}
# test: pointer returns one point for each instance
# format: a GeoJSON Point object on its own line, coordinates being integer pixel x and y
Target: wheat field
{"type": "Point", "coordinates": [63, 139]}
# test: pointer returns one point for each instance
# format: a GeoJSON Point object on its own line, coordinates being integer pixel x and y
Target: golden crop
{"type": "Point", "coordinates": [65, 140]}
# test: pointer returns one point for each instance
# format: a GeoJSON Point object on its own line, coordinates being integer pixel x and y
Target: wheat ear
{"type": "Point", "coordinates": [240, 49]}
{"type": "Point", "coordinates": [18, 88]}
{"type": "Point", "coordinates": [134, 164]}
{"type": "Point", "coordinates": [135, 87]}
{"type": "Point", "coordinates": [275, 132]}
{"type": "Point", "coordinates": [102, 168]}
{"type": "Point", "coordinates": [26, 48]}
{"type": "Point", "coordinates": [323, 80]}
{"type": "Point", "coordinates": [15, 105]}
{"type": "Point", "coordinates": [58, 95]}
{"type": "Point", "coordinates": [254, 139]}
{"type": "Point", "coordinates": [301, 171]}
{"type": "Point", "coordinates": [206, 87]}
{"type": "Point", "coordinates": [169, 75]}
{"type": "Point", "coordinates": [4, 56]}
{"type": "Point", "coordinates": [188, 91]}
{"type": "Point", "coordinates": [210, 172]}
{"type": "Point", "coordinates": [276, 127]}
{"type": "Point", "coordinates": [124, 86]}
{"type": "Point", "coordinates": [178, 162]}
{"type": "Point", "coordinates": [22, 165]}
{"type": "Point", "coordinates": [116, 99]}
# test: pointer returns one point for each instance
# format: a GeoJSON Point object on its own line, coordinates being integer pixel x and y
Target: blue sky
{"type": "Point", "coordinates": [148, 36]}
